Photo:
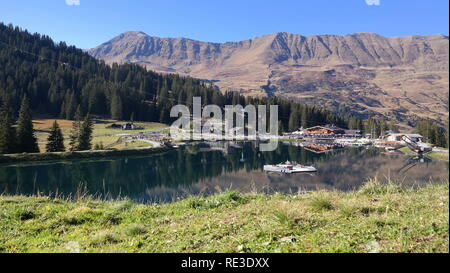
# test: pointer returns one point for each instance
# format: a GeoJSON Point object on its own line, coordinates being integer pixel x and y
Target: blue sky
{"type": "Point", "coordinates": [96, 21]}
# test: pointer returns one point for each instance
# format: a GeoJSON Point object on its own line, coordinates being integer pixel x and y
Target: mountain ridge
{"type": "Point", "coordinates": [402, 78]}
{"type": "Point", "coordinates": [274, 33]}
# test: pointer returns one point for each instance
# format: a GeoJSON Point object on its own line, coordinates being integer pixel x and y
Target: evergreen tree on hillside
{"type": "Point", "coordinates": [432, 133]}
{"type": "Point", "coordinates": [116, 107]}
{"type": "Point", "coordinates": [8, 143]}
{"type": "Point", "coordinates": [71, 106]}
{"type": "Point", "coordinates": [377, 127]}
{"type": "Point", "coordinates": [55, 141]}
{"type": "Point", "coordinates": [355, 123]}
{"type": "Point", "coordinates": [294, 119]}
{"type": "Point", "coordinates": [75, 132]}
{"type": "Point", "coordinates": [440, 140]}
{"type": "Point", "coordinates": [85, 140]}
{"type": "Point", "coordinates": [280, 128]}
{"type": "Point", "coordinates": [304, 117]}
{"type": "Point", "coordinates": [164, 116]}
{"type": "Point", "coordinates": [26, 140]}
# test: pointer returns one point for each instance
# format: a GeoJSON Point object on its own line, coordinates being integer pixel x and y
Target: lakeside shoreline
{"type": "Point", "coordinates": [45, 157]}
{"type": "Point", "coordinates": [41, 157]}
{"type": "Point", "coordinates": [375, 218]}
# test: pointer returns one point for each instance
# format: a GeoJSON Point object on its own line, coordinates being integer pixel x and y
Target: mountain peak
{"type": "Point", "coordinates": [134, 33]}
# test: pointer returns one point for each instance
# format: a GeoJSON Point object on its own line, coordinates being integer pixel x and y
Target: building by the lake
{"type": "Point", "coordinates": [399, 137]}
{"type": "Point", "coordinates": [329, 131]}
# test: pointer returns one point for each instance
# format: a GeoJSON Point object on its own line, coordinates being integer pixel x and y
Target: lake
{"type": "Point", "coordinates": [205, 170]}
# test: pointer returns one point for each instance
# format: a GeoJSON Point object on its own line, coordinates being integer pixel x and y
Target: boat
{"type": "Point", "coordinates": [289, 167]}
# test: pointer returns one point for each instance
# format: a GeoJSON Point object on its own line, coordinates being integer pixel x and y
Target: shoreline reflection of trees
{"type": "Point", "coordinates": [131, 176]}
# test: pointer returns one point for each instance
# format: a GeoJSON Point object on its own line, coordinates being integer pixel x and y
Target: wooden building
{"type": "Point", "coordinates": [330, 131]}
{"type": "Point", "coordinates": [325, 130]}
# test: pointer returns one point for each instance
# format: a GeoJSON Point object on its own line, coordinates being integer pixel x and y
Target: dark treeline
{"type": "Point", "coordinates": [58, 78]}
{"type": "Point", "coordinates": [377, 127]}
{"type": "Point", "coordinates": [432, 133]}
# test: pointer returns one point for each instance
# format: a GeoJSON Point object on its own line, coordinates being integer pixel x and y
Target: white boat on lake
{"type": "Point", "coordinates": [289, 168]}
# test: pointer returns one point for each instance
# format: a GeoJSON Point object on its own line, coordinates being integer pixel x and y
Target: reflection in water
{"type": "Point", "coordinates": [199, 170]}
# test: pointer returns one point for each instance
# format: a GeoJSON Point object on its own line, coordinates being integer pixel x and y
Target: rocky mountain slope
{"type": "Point", "coordinates": [402, 78]}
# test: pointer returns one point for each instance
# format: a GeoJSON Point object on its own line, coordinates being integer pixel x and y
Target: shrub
{"type": "Point", "coordinates": [284, 218]}
{"type": "Point", "coordinates": [374, 187]}
{"type": "Point", "coordinates": [25, 214]}
{"type": "Point", "coordinates": [230, 198]}
{"type": "Point", "coordinates": [135, 229]}
{"type": "Point", "coordinates": [321, 203]}
{"type": "Point", "coordinates": [79, 215]}
{"type": "Point", "coordinates": [104, 237]}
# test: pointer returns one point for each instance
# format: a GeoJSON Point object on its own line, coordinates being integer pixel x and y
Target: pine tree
{"type": "Point", "coordinates": [116, 107]}
{"type": "Point", "coordinates": [164, 115]}
{"type": "Point", "coordinates": [55, 141]}
{"type": "Point", "coordinates": [440, 137]}
{"type": "Point", "coordinates": [294, 120]}
{"type": "Point", "coordinates": [305, 117]}
{"type": "Point", "coordinates": [70, 107]}
{"type": "Point", "coordinates": [85, 140]}
{"type": "Point", "coordinates": [280, 128]}
{"type": "Point", "coordinates": [62, 113]}
{"type": "Point", "coordinates": [8, 143]}
{"type": "Point", "coordinates": [26, 140]}
{"type": "Point", "coordinates": [75, 132]}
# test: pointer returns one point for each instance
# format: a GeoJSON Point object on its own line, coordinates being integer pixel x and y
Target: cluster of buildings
{"type": "Point", "coordinates": [333, 135]}
{"type": "Point", "coordinates": [334, 132]}
{"type": "Point", "coordinates": [325, 132]}
{"type": "Point", "coordinates": [126, 126]}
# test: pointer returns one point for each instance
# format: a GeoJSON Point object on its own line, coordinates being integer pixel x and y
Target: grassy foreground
{"type": "Point", "coordinates": [375, 218]}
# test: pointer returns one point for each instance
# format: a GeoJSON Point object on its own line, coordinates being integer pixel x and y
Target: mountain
{"type": "Point", "coordinates": [403, 78]}
{"type": "Point", "coordinates": [58, 79]}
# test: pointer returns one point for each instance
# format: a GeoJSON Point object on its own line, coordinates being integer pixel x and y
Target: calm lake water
{"type": "Point", "coordinates": [194, 170]}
